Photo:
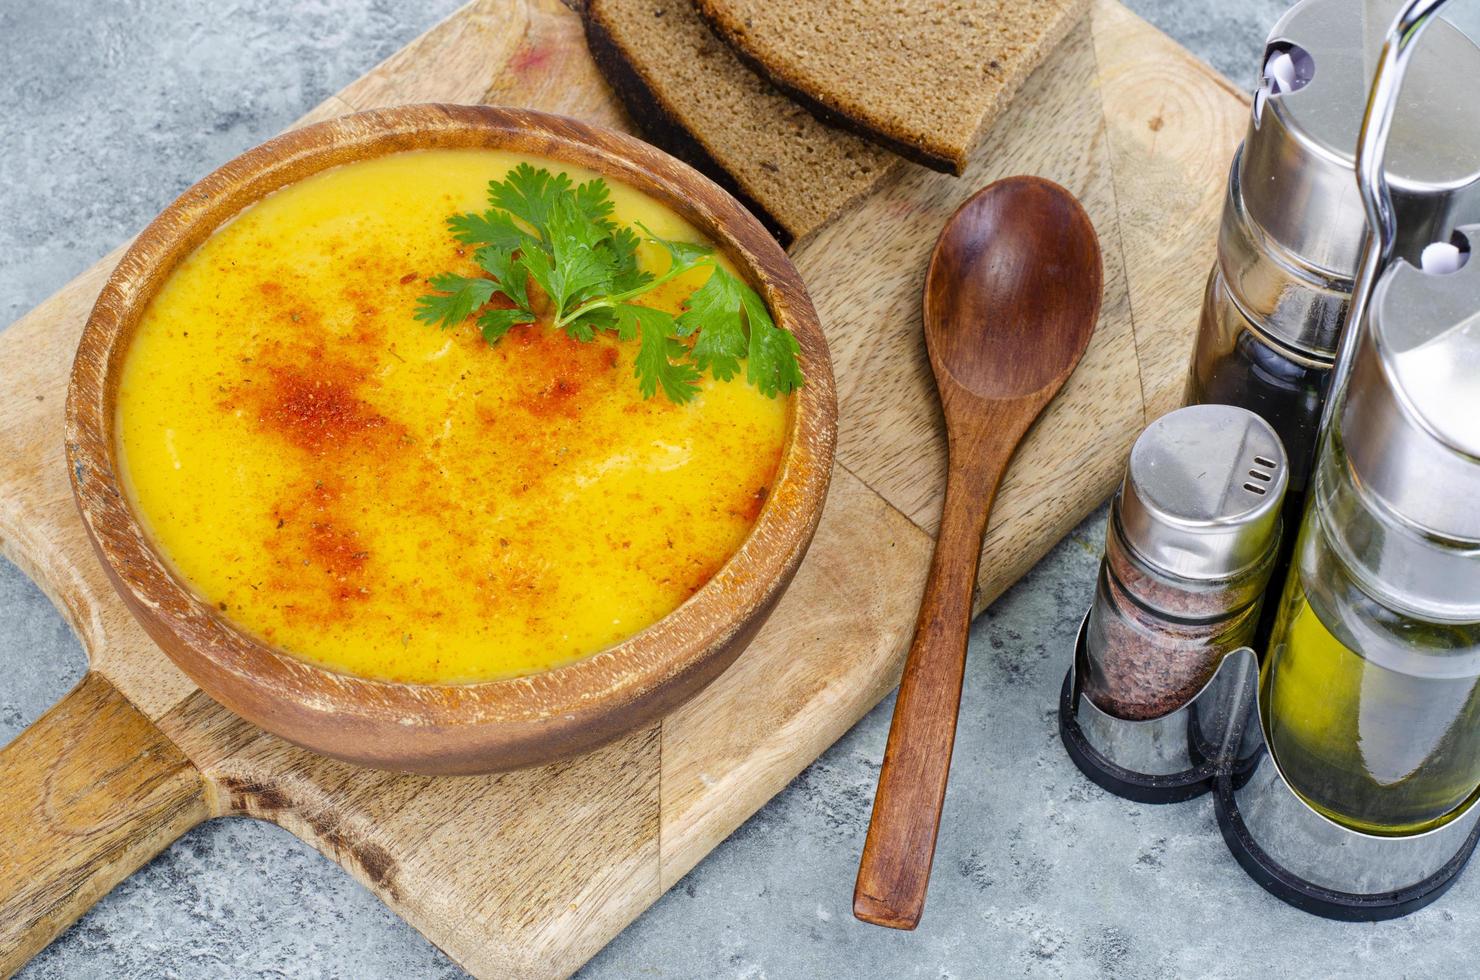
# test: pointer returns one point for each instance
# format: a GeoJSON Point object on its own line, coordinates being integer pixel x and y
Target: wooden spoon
{"type": "Point", "coordinates": [1011, 297]}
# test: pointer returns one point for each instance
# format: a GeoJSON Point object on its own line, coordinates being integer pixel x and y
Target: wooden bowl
{"type": "Point", "coordinates": [466, 728]}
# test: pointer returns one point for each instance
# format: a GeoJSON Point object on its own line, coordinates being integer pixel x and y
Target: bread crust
{"type": "Point", "coordinates": [657, 120]}
{"type": "Point", "coordinates": [937, 155]}
{"type": "Point", "coordinates": [734, 36]}
{"type": "Point", "coordinates": [694, 97]}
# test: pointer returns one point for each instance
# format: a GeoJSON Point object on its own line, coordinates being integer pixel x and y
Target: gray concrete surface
{"type": "Point", "coordinates": [110, 110]}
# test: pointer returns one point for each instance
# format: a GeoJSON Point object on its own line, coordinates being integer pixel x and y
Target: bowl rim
{"type": "Point", "coordinates": [248, 674]}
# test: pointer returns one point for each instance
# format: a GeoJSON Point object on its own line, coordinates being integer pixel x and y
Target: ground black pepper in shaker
{"type": "Point", "coordinates": [1192, 539]}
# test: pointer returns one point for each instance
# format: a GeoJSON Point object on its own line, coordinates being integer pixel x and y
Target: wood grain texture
{"type": "Point", "coordinates": [1172, 124]}
{"type": "Point", "coordinates": [831, 651]}
{"type": "Point", "coordinates": [520, 874]}
{"type": "Point", "coordinates": [1012, 295]}
{"type": "Point", "coordinates": [1135, 126]}
{"type": "Point", "coordinates": [88, 793]}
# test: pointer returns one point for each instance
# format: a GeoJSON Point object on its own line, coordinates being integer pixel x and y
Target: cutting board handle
{"type": "Point", "coordinates": [88, 793]}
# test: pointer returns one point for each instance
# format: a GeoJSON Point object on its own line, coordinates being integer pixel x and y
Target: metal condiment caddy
{"type": "Point", "coordinates": [1344, 762]}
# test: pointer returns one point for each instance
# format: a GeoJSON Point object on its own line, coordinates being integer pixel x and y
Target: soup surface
{"type": "Point", "coordinates": [397, 501]}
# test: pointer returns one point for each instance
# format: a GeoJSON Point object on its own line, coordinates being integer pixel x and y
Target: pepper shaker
{"type": "Point", "coordinates": [1189, 548]}
{"type": "Point", "coordinates": [1161, 663]}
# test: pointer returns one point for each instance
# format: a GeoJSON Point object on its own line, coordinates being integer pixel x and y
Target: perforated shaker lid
{"type": "Point", "coordinates": [1411, 420]}
{"type": "Point", "coordinates": [1298, 165]}
{"type": "Point", "coordinates": [1202, 493]}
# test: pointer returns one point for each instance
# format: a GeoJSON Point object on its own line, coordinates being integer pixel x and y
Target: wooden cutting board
{"type": "Point", "coordinates": [530, 873]}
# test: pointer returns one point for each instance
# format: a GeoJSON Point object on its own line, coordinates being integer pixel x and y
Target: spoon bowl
{"type": "Point", "coordinates": [1011, 298]}
{"type": "Point", "coordinates": [1013, 289]}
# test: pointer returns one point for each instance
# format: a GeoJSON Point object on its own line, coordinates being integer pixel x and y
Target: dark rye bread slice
{"type": "Point", "coordinates": [925, 78]}
{"type": "Point", "coordinates": [695, 99]}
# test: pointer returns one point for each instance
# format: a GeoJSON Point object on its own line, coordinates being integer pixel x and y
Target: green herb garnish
{"type": "Point", "coordinates": [541, 228]}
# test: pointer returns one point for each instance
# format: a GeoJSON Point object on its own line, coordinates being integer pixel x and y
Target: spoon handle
{"type": "Point", "coordinates": [895, 869]}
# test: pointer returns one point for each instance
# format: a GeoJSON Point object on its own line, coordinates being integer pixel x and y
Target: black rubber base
{"type": "Point", "coordinates": [1141, 787]}
{"type": "Point", "coordinates": [1316, 899]}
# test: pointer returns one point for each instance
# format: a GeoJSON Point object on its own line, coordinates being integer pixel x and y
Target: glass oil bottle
{"type": "Point", "coordinates": [1371, 686]}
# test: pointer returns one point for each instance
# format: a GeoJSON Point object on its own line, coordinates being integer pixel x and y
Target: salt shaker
{"type": "Point", "coordinates": [1192, 539]}
{"type": "Point", "coordinates": [1293, 223]}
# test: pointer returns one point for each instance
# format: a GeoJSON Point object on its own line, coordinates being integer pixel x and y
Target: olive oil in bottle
{"type": "Point", "coordinates": [1373, 716]}
{"type": "Point", "coordinates": [1371, 681]}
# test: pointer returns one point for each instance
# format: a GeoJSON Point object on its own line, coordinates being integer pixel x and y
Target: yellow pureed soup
{"type": "Point", "coordinates": [396, 501]}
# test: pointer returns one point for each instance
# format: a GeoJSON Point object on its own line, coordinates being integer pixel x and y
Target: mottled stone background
{"type": "Point", "coordinates": [110, 110]}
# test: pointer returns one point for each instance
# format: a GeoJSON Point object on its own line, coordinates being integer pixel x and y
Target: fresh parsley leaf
{"type": "Point", "coordinates": [590, 321]}
{"type": "Point", "coordinates": [493, 228]}
{"type": "Point", "coordinates": [660, 358]}
{"type": "Point", "coordinates": [530, 195]}
{"type": "Point", "coordinates": [684, 254]}
{"type": "Point", "coordinates": [540, 266]}
{"type": "Point", "coordinates": [542, 228]}
{"type": "Point", "coordinates": [594, 200]}
{"type": "Point", "coordinates": [495, 322]}
{"type": "Point", "coordinates": [622, 258]}
{"type": "Point", "coordinates": [579, 269]}
{"type": "Point", "coordinates": [507, 272]}
{"type": "Point", "coordinates": [455, 299]}
{"type": "Point", "coordinates": [773, 365]}
{"type": "Point", "coordinates": [713, 315]}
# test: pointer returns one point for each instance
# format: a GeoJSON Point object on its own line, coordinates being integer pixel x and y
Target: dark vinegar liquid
{"type": "Point", "coordinates": [1233, 365]}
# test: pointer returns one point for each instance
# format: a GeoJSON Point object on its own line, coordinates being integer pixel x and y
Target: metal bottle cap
{"type": "Point", "coordinates": [1299, 220]}
{"type": "Point", "coordinates": [1202, 493]}
{"type": "Point", "coordinates": [1411, 422]}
